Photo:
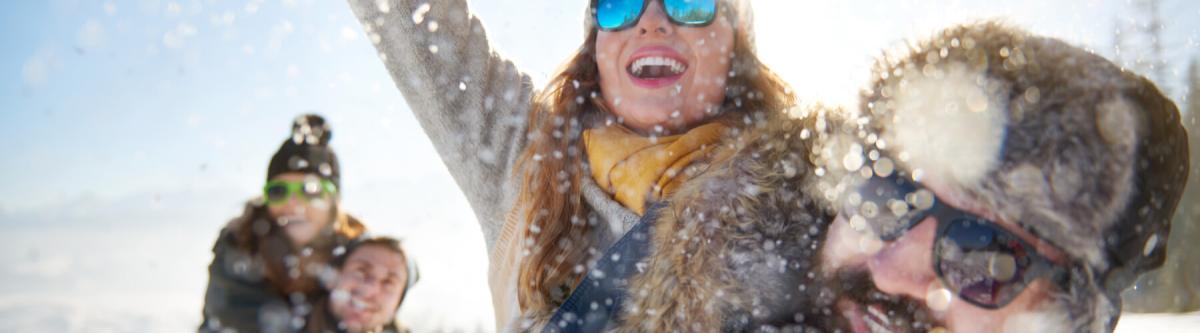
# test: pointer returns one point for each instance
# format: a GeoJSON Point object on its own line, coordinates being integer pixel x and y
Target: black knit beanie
{"type": "Point", "coordinates": [307, 150]}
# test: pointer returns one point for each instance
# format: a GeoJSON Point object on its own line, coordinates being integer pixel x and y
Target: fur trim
{"type": "Point", "coordinates": [1068, 124]}
{"type": "Point", "coordinates": [733, 245]}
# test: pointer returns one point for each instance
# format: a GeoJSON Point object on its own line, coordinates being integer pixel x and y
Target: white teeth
{"type": "Point", "coordinates": [640, 64]}
{"type": "Point", "coordinates": [877, 321]}
{"type": "Point", "coordinates": [879, 316]}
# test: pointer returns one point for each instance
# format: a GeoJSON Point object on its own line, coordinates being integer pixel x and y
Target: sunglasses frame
{"type": "Point", "coordinates": [946, 216]}
{"type": "Point", "coordinates": [296, 189]}
{"type": "Point", "coordinates": [645, 4]}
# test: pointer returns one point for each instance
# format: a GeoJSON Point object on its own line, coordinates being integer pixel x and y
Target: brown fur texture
{"type": "Point", "coordinates": [1093, 158]}
{"type": "Point", "coordinates": [1073, 117]}
{"type": "Point", "coordinates": [733, 245]}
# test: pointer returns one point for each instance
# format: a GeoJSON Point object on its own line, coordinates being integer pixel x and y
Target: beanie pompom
{"type": "Point", "coordinates": [307, 150]}
{"type": "Point", "coordinates": [311, 129]}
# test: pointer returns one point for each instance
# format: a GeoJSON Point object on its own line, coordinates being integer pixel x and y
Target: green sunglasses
{"type": "Point", "coordinates": [279, 191]}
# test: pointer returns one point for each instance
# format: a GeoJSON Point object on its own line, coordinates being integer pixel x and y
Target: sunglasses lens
{"type": "Point", "coordinates": [615, 14]}
{"type": "Point", "coordinates": [887, 205]}
{"type": "Point", "coordinates": [313, 190]}
{"type": "Point", "coordinates": [691, 12]}
{"type": "Point", "coordinates": [276, 192]}
{"type": "Point", "coordinates": [983, 263]}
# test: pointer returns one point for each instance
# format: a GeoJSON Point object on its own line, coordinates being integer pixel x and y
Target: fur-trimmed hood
{"type": "Point", "coordinates": [731, 248]}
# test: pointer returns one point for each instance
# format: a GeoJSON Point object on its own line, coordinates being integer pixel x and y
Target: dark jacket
{"type": "Point", "coordinates": [731, 248]}
{"type": "Point", "coordinates": [322, 320]}
{"type": "Point", "coordinates": [239, 295]}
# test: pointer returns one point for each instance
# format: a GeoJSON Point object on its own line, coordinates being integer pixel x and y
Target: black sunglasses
{"type": "Point", "coordinates": [976, 258]}
{"type": "Point", "coordinates": [614, 15]}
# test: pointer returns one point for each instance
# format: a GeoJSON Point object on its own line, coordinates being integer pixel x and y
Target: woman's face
{"type": "Point", "coordinates": [656, 73]}
{"type": "Point", "coordinates": [302, 219]}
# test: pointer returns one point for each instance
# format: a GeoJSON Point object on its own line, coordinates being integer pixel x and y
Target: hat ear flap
{"type": "Point", "coordinates": [414, 274]}
{"type": "Point", "coordinates": [1138, 243]}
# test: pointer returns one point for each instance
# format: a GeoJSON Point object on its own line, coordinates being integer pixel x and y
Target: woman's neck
{"type": "Point", "coordinates": [601, 118]}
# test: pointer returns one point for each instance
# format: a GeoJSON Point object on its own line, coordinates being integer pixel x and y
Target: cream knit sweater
{"type": "Point", "coordinates": [473, 105]}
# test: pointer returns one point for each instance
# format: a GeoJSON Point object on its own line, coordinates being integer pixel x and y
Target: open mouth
{"type": "Point", "coordinates": [656, 67]}
{"type": "Point", "coordinates": [360, 309]}
{"type": "Point", "coordinates": [291, 220]}
{"type": "Point", "coordinates": [887, 317]}
{"type": "Point", "coordinates": [362, 306]}
{"type": "Point", "coordinates": [866, 319]}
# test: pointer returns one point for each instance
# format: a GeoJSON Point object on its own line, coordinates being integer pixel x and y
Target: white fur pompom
{"type": "Point", "coordinates": [948, 124]}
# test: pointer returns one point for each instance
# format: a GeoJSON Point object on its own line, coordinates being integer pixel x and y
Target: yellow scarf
{"type": "Point", "coordinates": [636, 169]}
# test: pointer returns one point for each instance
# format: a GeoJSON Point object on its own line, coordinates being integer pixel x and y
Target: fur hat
{"type": "Point", "coordinates": [1076, 150]}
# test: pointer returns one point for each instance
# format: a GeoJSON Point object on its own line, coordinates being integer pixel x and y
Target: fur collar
{"type": "Point", "coordinates": [751, 211]}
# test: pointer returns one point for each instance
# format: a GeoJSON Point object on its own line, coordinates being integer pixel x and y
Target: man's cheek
{"type": "Point", "coordinates": [846, 247]}
{"type": "Point", "coordinates": [1050, 317]}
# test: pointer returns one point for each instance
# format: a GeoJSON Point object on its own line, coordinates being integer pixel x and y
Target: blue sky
{"type": "Point", "coordinates": [118, 97]}
{"type": "Point", "coordinates": [131, 113]}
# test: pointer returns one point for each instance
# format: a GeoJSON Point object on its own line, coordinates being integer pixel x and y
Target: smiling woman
{"type": "Point", "coordinates": [558, 176]}
{"type": "Point", "coordinates": [655, 70]}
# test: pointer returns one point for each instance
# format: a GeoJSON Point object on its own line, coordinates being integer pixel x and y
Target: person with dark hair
{"type": "Point", "coordinates": [374, 277]}
{"type": "Point", "coordinates": [269, 263]}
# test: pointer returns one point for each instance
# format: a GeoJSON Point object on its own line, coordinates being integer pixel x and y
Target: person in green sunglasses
{"type": "Point", "coordinates": [270, 263]}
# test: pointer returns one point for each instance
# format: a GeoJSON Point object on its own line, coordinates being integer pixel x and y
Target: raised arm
{"type": "Point", "coordinates": [472, 103]}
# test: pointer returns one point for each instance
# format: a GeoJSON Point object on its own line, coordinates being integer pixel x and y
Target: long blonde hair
{"type": "Point", "coordinates": [552, 166]}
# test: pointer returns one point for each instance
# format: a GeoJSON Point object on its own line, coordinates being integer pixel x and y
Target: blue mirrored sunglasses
{"type": "Point", "coordinates": [613, 15]}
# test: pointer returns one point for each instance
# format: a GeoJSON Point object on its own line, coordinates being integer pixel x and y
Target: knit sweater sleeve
{"type": "Point", "coordinates": [471, 102]}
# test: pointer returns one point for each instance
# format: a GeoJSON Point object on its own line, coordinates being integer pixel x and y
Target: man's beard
{"type": "Point", "coordinates": [809, 300]}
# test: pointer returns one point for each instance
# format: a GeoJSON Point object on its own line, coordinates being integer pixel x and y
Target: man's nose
{"type": "Point", "coordinates": [904, 267]}
{"type": "Point", "coordinates": [654, 21]}
{"type": "Point", "coordinates": [368, 288]}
